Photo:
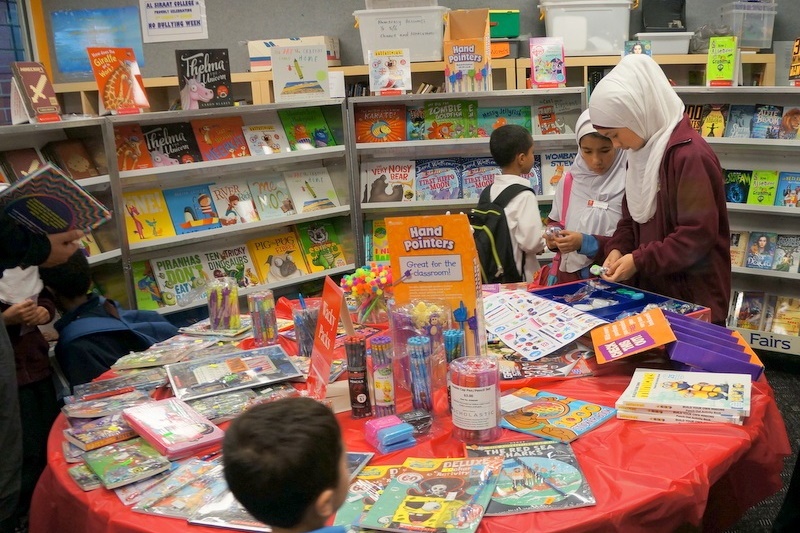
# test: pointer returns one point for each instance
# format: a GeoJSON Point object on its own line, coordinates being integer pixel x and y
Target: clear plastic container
{"type": "Point", "coordinates": [668, 42]}
{"type": "Point", "coordinates": [420, 29]}
{"type": "Point", "coordinates": [588, 27]}
{"type": "Point", "coordinates": [751, 22]}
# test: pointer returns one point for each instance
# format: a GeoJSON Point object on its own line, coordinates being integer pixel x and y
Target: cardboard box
{"type": "Point", "coordinates": [467, 51]}
{"type": "Point", "coordinates": [261, 57]}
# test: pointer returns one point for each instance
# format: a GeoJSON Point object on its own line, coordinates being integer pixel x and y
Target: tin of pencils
{"type": "Point", "coordinates": [262, 314]}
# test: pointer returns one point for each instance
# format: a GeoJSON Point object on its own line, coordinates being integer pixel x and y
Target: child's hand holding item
{"type": "Point", "coordinates": [26, 313]}
{"type": "Point", "coordinates": [619, 267]}
{"type": "Point", "coordinates": [568, 241]}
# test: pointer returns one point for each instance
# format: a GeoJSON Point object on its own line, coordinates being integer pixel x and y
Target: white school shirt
{"type": "Point", "coordinates": [524, 222]}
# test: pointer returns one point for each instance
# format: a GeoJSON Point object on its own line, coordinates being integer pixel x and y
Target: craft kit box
{"type": "Point", "coordinates": [467, 51]}
{"type": "Point", "coordinates": [261, 55]}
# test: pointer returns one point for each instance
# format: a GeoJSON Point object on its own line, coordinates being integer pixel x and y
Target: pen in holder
{"type": "Point", "coordinates": [262, 315]}
{"type": "Point", "coordinates": [419, 352]}
{"type": "Point", "coordinates": [475, 398]}
{"type": "Point", "coordinates": [305, 326]}
{"type": "Point", "coordinates": [383, 375]}
{"type": "Point", "coordinates": [223, 304]}
{"type": "Point", "coordinates": [356, 350]}
{"type": "Point", "coordinates": [453, 344]}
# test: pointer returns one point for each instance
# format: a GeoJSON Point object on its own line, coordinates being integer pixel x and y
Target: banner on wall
{"type": "Point", "coordinates": [173, 20]}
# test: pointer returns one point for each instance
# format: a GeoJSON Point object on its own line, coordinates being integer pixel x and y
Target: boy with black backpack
{"type": "Point", "coordinates": [94, 332]}
{"type": "Point", "coordinates": [507, 226]}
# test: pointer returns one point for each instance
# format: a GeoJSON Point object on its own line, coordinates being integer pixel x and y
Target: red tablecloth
{"type": "Point", "coordinates": [645, 476]}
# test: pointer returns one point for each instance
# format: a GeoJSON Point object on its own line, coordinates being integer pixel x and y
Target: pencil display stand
{"type": "Point", "coordinates": [475, 398]}
{"type": "Point", "coordinates": [419, 318]}
{"type": "Point", "coordinates": [223, 304]}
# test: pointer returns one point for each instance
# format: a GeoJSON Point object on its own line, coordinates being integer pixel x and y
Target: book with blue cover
{"type": "Point", "coordinates": [477, 173]}
{"type": "Point", "coordinates": [788, 192]}
{"type": "Point", "coordinates": [737, 185]}
{"type": "Point", "coordinates": [766, 121]}
{"type": "Point", "coordinates": [191, 208]}
{"type": "Point", "coordinates": [491, 118]}
{"type": "Point", "coordinates": [760, 250]}
{"type": "Point", "coordinates": [740, 120]}
{"type": "Point", "coordinates": [438, 179]}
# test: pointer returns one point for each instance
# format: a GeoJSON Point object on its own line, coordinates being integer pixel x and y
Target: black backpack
{"type": "Point", "coordinates": [492, 237]}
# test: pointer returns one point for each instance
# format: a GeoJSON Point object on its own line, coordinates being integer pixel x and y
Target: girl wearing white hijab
{"type": "Point", "coordinates": [594, 206]}
{"type": "Point", "coordinates": [674, 236]}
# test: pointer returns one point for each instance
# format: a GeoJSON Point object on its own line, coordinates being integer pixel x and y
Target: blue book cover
{"type": "Point", "coordinates": [787, 253]}
{"type": "Point", "coordinates": [766, 121]}
{"type": "Point", "coordinates": [740, 118]}
{"type": "Point", "coordinates": [477, 173]}
{"type": "Point", "coordinates": [788, 190]}
{"type": "Point", "coordinates": [737, 185]}
{"type": "Point", "coordinates": [415, 122]}
{"type": "Point", "coordinates": [438, 179]}
{"type": "Point", "coordinates": [191, 209]}
{"type": "Point", "coordinates": [491, 118]}
{"type": "Point", "coordinates": [760, 250]}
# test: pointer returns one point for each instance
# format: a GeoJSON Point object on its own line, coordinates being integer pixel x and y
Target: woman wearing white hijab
{"type": "Point", "coordinates": [594, 205]}
{"type": "Point", "coordinates": [674, 237]}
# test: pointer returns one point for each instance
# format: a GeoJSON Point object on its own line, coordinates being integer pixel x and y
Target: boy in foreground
{"type": "Point", "coordinates": [285, 463]}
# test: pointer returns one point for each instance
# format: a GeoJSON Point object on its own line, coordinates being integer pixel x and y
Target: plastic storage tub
{"type": "Point", "coordinates": [503, 23]}
{"type": "Point", "coordinates": [419, 29]}
{"type": "Point", "coordinates": [669, 42]}
{"type": "Point", "coordinates": [751, 22]}
{"type": "Point", "coordinates": [588, 27]}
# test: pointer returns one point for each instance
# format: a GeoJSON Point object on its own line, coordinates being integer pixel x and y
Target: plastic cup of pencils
{"type": "Point", "coordinates": [383, 376]}
{"type": "Point", "coordinates": [305, 325]}
{"type": "Point", "coordinates": [475, 398]}
{"type": "Point", "coordinates": [262, 314]}
{"type": "Point", "coordinates": [223, 304]}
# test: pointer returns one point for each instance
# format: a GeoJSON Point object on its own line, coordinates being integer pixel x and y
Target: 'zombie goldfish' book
{"type": "Point", "coordinates": [204, 77]}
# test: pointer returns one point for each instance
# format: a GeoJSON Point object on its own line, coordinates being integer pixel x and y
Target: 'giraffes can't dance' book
{"type": "Point", "coordinates": [119, 81]}
{"type": "Point", "coordinates": [132, 151]}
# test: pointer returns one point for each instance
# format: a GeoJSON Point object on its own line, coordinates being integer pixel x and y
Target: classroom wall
{"type": "Point", "coordinates": [232, 22]}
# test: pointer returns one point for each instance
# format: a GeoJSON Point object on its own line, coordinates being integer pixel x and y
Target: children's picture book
{"type": "Point", "coordinates": [33, 98]}
{"type": "Point", "coordinates": [643, 46]}
{"type": "Point", "coordinates": [790, 123]}
{"type": "Point", "coordinates": [233, 202]}
{"type": "Point", "coordinates": [223, 407]}
{"type": "Point", "coordinates": [278, 257]}
{"type": "Point", "coordinates": [788, 191]}
{"type": "Point", "coordinates": [451, 119]}
{"type": "Point", "coordinates": [204, 78]}
{"type": "Point", "coordinates": [271, 196]}
{"type": "Point", "coordinates": [84, 477]}
{"type": "Point", "coordinates": [375, 240]}
{"type": "Point", "coordinates": [477, 173]}
{"type": "Point", "coordinates": [787, 316]}
{"type": "Point", "coordinates": [148, 295]}
{"type": "Point", "coordinates": [491, 118]}
{"type": "Point", "coordinates": [712, 122]}
{"type": "Point", "coordinates": [232, 261]}
{"type": "Point", "coordinates": [321, 246]}
{"type": "Point", "coordinates": [438, 179]}
{"type": "Point", "coordinates": [181, 278]}
{"type": "Point", "coordinates": [119, 81]}
{"type": "Point", "coordinates": [267, 137]}
{"type": "Point", "coordinates": [760, 250]}
{"type": "Point", "coordinates": [737, 185]}
{"type": "Point", "coordinates": [147, 215]}
{"type": "Point", "coordinates": [787, 253]}
{"type": "Point", "coordinates": [173, 428]}
{"type": "Point", "coordinates": [97, 152]}
{"type": "Point", "coordinates": [225, 511]}
{"type": "Point", "coordinates": [364, 491]}
{"type": "Point", "coordinates": [555, 163]}
{"type": "Point", "coordinates": [763, 187]}
{"type": "Point", "coordinates": [748, 310]}
{"type": "Point", "coordinates": [311, 189]}
{"type": "Point", "coordinates": [191, 208]}
{"type": "Point", "coordinates": [740, 121]}
{"type": "Point", "coordinates": [695, 114]}
{"type": "Point", "coordinates": [21, 162]}
{"type": "Point", "coordinates": [548, 69]}
{"type": "Point", "coordinates": [766, 121]}
{"type": "Point", "coordinates": [100, 407]}
{"type": "Point", "coordinates": [306, 128]}
{"type": "Point", "coordinates": [432, 495]}
{"type": "Point", "coordinates": [89, 245]}
{"type": "Point", "coordinates": [555, 115]}
{"type": "Point", "coordinates": [132, 152]}
{"type": "Point", "coordinates": [125, 462]}
{"type": "Point", "coordinates": [171, 144]}
{"type": "Point", "coordinates": [300, 73]}
{"type": "Point", "coordinates": [223, 373]}
{"type": "Point", "coordinates": [537, 475]}
{"type": "Point", "coordinates": [549, 415]}
{"type": "Point", "coordinates": [739, 247]}
{"type": "Point", "coordinates": [415, 123]}
{"type": "Point", "coordinates": [220, 138]}
{"type": "Point", "coordinates": [100, 432]}
{"type": "Point", "coordinates": [714, 392]}
{"type": "Point", "coordinates": [72, 157]}
{"type": "Point", "coordinates": [722, 65]}
{"type": "Point", "coordinates": [380, 123]}
{"type": "Point", "coordinates": [389, 180]}
{"type": "Point", "coordinates": [47, 201]}
{"type": "Point", "coordinates": [390, 71]}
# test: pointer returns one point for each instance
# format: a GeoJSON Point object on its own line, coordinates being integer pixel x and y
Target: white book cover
{"type": "Point", "coordinates": [557, 114]}
{"type": "Point", "coordinates": [232, 262]}
{"type": "Point", "coordinates": [311, 189]}
{"type": "Point", "coordinates": [181, 278]}
{"type": "Point", "coordinates": [233, 202]}
{"type": "Point", "coordinates": [267, 137]}
{"type": "Point", "coordinates": [555, 164]}
{"type": "Point", "coordinates": [390, 71]}
{"type": "Point", "coordinates": [388, 180]}
{"type": "Point", "coordinates": [271, 196]}
{"type": "Point", "coordinates": [300, 73]}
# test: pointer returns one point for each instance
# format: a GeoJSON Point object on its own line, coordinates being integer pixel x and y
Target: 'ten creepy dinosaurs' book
{"type": "Point", "coordinates": [231, 261]}
{"type": "Point", "coordinates": [537, 475]}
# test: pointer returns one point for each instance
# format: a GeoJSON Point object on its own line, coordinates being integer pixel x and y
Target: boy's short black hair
{"type": "Point", "coordinates": [280, 456]}
{"type": "Point", "coordinates": [70, 279]}
{"type": "Point", "coordinates": [507, 142]}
